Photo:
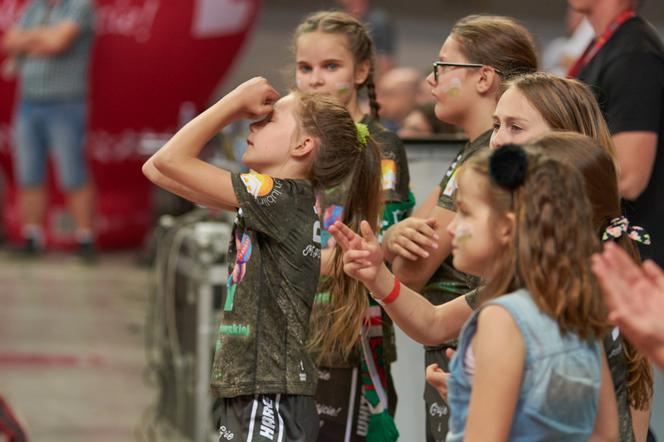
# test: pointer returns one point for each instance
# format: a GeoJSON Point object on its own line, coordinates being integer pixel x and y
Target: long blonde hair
{"type": "Point", "coordinates": [342, 159]}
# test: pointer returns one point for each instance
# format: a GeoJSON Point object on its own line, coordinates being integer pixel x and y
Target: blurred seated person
{"type": "Point", "coordinates": [421, 122]}
{"type": "Point", "coordinates": [396, 94]}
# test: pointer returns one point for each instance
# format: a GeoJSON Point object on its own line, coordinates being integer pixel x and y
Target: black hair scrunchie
{"type": "Point", "coordinates": [508, 166]}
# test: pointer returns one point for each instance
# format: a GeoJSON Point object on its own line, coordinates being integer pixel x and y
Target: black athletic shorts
{"type": "Point", "coordinates": [268, 417]}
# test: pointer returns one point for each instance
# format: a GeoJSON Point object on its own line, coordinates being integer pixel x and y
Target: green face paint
{"type": "Point", "coordinates": [454, 89]}
{"type": "Point", "coordinates": [463, 234]}
{"type": "Point", "coordinates": [343, 88]}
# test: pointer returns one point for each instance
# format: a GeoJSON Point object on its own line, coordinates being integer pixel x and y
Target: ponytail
{"type": "Point", "coordinates": [351, 161]}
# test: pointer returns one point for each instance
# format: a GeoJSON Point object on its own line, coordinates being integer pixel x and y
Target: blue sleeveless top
{"type": "Point", "coordinates": [559, 392]}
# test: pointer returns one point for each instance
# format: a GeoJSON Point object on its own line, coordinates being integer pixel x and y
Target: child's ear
{"type": "Point", "coordinates": [488, 81]}
{"type": "Point", "coordinates": [362, 72]}
{"type": "Point", "coordinates": [507, 228]}
{"type": "Point", "coordinates": [305, 145]}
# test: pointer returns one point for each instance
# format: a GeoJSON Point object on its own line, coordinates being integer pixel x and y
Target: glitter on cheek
{"type": "Point", "coordinates": [343, 88]}
{"type": "Point", "coordinates": [454, 88]}
{"type": "Point", "coordinates": [463, 234]}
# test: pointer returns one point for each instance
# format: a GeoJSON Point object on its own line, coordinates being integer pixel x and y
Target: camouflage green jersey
{"type": "Point", "coordinates": [261, 347]}
{"type": "Point", "coordinates": [398, 200]}
{"type": "Point", "coordinates": [395, 175]}
{"type": "Point", "coordinates": [447, 282]}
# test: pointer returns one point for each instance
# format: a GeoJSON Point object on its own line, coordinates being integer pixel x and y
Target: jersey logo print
{"type": "Point", "coordinates": [389, 174]}
{"type": "Point", "coordinates": [242, 256]}
{"type": "Point", "coordinates": [258, 185]}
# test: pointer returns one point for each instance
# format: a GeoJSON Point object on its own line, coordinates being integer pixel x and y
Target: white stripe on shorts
{"type": "Point", "coordinates": [281, 421]}
{"type": "Point", "coordinates": [253, 419]}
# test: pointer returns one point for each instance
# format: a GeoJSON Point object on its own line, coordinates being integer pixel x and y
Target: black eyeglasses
{"type": "Point", "coordinates": [437, 64]}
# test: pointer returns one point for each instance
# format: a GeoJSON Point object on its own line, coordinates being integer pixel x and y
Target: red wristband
{"type": "Point", "coordinates": [394, 294]}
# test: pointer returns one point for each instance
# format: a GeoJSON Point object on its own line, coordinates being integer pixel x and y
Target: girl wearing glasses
{"type": "Point", "coordinates": [478, 55]}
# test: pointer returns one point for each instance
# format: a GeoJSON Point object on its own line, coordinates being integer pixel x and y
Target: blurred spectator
{"type": "Point", "coordinates": [422, 122]}
{"type": "Point", "coordinates": [380, 28]}
{"type": "Point", "coordinates": [396, 94]}
{"type": "Point", "coordinates": [560, 53]}
{"type": "Point", "coordinates": [50, 46]}
{"type": "Point", "coordinates": [625, 68]}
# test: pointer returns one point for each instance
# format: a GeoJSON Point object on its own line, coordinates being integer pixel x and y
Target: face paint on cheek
{"type": "Point", "coordinates": [463, 234]}
{"type": "Point", "coordinates": [454, 88]}
{"type": "Point", "coordinates": [343, 88]}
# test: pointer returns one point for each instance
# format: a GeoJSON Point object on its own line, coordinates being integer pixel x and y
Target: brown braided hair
{"type": "Point", "coordinates": [601, 182]}
{"type": "Point", "coordinates": [553, 241]}
{"type": "Point", "coordinates": [359, 44]}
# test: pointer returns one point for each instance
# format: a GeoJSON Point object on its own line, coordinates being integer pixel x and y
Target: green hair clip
{"type": "Point", "coordinates": [362, 134]}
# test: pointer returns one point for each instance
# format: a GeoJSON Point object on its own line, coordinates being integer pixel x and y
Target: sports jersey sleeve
{"type": "Point", "coordinates": [448, 187]}
{"type": "Point", "coordinates": [634, 87]}
{"type": "Point", "coordinates": [395, 176]}
{"type": "Point", "coordinates": [268, 205]}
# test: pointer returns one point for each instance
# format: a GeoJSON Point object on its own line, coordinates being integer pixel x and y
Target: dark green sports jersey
{"type": "Point", "coordinates": [261, 348]}
{"type": "Point", "coordinates": [447, 282]}
{"type": "Point", "coordinates": [394, 164]}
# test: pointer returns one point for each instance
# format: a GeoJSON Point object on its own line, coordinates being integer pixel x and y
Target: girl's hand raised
{"type": "Point", "coordinates": [411, 238]}
{"type": "Point", "coordinates": [363, 256]}
{"type": "Point", "coordinates": [254, 98]}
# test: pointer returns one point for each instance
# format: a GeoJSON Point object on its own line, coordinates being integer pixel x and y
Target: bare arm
{"type": "Point", "coordinates": [415, 274]}
{"type": "Point", "coordinates": [640, 422]}
{"type": "Point", "coordinates": [412, 237]}
{"type": "Point", "coordinates": [41, 41]}
{"type": "Point", "coordinates": [178, 159]}
{"type": "Point", "coordinates": [498, 374]}
{"type": "Point", "coordinates": [417, 317]}
{"type": "Point", "coordinates": [635, 152]}
{"type": "Point", "coordinates": [424, 210]}
{"type": "Point", "coordinates": [606, 422]}
{"type": "Point", "coordinates": [153, 174]}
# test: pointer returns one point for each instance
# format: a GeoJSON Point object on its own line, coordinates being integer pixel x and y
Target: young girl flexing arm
{"type": "Point", "coordinates": [262, 367]}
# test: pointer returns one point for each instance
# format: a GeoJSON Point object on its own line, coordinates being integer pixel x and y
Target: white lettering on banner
{"type": "Point", "coordinates": [268, 424]}
{"type": "Point", "coordinates": [9, 14]}
{"type": "Point", "coordinates": [215, 18]}
{"type": "Point", "coordinates": [123, 18]}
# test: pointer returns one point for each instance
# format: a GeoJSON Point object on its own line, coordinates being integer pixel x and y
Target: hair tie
{"type": "Point", "coordinates": [620, 226]}
{"type": "Point", "coordinates": [362, 134]}
{"type": "Point", "coordinates": [508, 166]}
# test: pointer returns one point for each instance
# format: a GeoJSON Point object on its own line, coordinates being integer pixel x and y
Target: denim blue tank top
{"type": "Point", "coordinates": [560, 386]}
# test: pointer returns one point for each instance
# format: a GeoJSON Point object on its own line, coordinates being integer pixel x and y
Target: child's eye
{"type": "Point", "coordinates": [516, 128]}
{"type": "Point", "coordinates": [304, 68]}
{"type": "Point", "coordinates": [496, 126]}
{"type": "Point", "coordinates": [332, 66]}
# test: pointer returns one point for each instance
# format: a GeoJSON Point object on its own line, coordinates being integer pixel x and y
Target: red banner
{"type": "Point", "coordinates": [155, 64]}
